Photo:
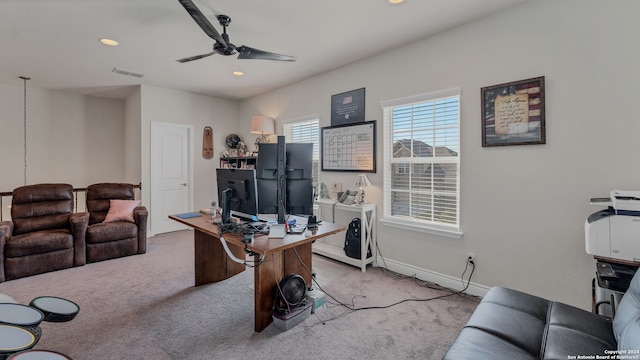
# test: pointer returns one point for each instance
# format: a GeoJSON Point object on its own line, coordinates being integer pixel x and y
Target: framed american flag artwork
{"type": "Point", "coordinates": [347, 107]}
{"type": "Point", "coordinates": [513, 113]}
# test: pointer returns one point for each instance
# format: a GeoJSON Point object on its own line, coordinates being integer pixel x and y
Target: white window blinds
{"type": "Point", "coordinates": [422, 159]}
{"type": "Point", "coordinates": [306, 130]}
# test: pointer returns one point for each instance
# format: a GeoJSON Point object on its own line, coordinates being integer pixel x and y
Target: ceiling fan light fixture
{"type": "Point", "coordinates": [238, 73]}
{"type": "Point", "coordinates": [109, 42]}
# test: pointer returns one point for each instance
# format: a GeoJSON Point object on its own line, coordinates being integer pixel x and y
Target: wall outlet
{"type": "Point", "coordinates": [471, 257]}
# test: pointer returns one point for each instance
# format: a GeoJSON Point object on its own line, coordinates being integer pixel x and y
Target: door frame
{"type": "Point", "coordinates": [155, 159]}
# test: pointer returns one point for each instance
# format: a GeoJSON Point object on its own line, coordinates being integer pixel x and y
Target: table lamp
{"type": "Point", "coordinates": [361, 181]}
{"type": "Point", "coordinates": [264, 126]}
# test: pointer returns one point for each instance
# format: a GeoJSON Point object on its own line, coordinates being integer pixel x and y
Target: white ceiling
{"type": "Point", "coordinates": [55, 42]}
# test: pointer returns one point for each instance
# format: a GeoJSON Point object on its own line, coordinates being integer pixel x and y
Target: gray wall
{"type": "Point", "coordinates": [80, 140]}
{"type": "Point", "coordinates": [67, 136]}
{"type": "Point", "coordinates": [179, 107]}
{"type": "Point", "coordinates": [523, 207]}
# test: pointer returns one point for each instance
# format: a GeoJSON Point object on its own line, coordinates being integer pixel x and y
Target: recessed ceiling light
{"type": "Point", "coordinates": [109, 42]}
{"type": "Point", "coordinates": [396, 1]}
{"type": "Point", "coordinates": [238, 73]}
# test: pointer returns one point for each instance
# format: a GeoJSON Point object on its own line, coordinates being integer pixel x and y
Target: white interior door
{"type": "Point", "coordinates": [171, 175]}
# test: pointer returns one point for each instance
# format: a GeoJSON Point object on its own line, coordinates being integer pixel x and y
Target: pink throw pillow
{"type": "Point", "coordinates": [121, 210]}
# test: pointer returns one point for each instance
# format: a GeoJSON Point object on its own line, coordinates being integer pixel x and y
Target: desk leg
{"type": "Point", "coordinates": [211, 261]}
{"type": "Point", "coordinates": [265, 276]}
{"type": "Point", "coordinates": [292, 264]}
{"type": "Point", "coordinates": [273, 269]}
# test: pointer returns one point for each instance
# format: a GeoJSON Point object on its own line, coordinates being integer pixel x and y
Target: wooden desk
{"type": "Point", "coordinates": [281, 257]}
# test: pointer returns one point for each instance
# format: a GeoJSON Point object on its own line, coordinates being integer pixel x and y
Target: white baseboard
{"type": "Point", "coordinates": [447, 281]}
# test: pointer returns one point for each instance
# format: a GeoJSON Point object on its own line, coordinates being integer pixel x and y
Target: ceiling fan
{"type": "Point", "coordinates": [222, 45]}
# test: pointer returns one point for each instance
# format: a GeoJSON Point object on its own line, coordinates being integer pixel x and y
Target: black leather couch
{"type": "Point", "coordinates": [509, 324]}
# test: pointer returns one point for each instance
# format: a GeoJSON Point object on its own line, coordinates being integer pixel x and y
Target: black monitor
{"type": "Point", "coordinates": [298, 200]}
{"type": "Point", "coordinates": [291, 193]}
{"type": "Point", "coordinates": [300, 195]}
{"type": "Point", "coordinates": [267, 196]}
{"type": "Point", "coordinates": [237, 192]}
{"type": "Point", "coordinates": [299, 161]}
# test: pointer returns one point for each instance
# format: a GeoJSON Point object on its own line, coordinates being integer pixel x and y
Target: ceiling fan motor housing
{"type": "Point", "coordinates": [224, 20]}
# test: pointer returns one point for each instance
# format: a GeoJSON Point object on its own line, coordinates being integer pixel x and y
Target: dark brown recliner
{"type": "Point", "coordinates": [44, 233]}
{"type": "Point", "coordinates": [118, 238]}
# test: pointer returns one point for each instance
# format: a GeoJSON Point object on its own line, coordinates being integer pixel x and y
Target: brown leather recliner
{"type": "Point", "coordinates": [44, 233]}
{"type": "Point", "coordinates": [118, 238]}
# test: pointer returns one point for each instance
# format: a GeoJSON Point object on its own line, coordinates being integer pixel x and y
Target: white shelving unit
{"type": "Point", "coordinates": [333, 246]}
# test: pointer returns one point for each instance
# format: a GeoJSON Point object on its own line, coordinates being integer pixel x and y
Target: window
{"type": "Point", "coordinates": [422, 161]}
{"type": "Point", "coordinates": [306, 130]}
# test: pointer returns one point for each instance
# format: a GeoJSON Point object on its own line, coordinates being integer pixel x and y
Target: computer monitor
{"type": "Point", "coordinates": [267, 196]}
{"type": "Point", "coordinates": [237, 192]}
{"type": "Point", "coordinates": [299, 161]}
{"type": "Point", "coordinates": [299, 200]}
{"type": "Point", "coordinates": [291, 193]}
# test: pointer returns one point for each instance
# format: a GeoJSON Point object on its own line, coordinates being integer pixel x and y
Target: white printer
{"type": "Point", "coordinates": [615, 232]}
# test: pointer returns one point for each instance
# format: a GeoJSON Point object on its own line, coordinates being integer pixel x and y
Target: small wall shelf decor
{"type": "Point", "coordinates": [238, 162]}
{"type": "Point", "coordinates": [232, 141]}
{"type": "Point", "coordinates": [513, 113]}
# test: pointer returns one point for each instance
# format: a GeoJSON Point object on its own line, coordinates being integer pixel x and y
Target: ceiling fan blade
{"type": "Point", "coordinates": [195, 57]}
{"type": "Point", "coordinates": [202, 21]}
{"type": "Point", "coordinates": [250, 53]}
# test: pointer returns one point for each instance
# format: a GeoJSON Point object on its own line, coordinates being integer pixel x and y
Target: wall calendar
{"type": "Point", "coordinates": [349, 147]}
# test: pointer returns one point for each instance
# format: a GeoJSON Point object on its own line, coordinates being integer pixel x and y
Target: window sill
{"type": "Point", "coordinates": [424, 228]}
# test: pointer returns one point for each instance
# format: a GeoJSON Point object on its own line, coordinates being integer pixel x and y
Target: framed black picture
{"type": "Point", "coordinates": [349, 147]}
{"type": "Point", "coordinates": [513, 113]}
{"type": "Point", "coordinates": [348, 107]}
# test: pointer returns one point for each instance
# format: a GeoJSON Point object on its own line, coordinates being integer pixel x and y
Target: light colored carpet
{"type": "Point", "coordinates": [146, 307]}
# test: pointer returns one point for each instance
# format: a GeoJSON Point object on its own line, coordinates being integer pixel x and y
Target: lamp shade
{"type": "Point", "coordinates": [263, 125]}
{"type": "Point", "coordinates": [362, 180]}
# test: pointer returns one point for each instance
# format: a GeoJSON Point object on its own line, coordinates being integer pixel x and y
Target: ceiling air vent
{"type": "Point", "coordinates": [127, 72]}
